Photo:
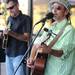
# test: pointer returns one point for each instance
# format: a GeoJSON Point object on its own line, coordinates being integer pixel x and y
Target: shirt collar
{"type": "Point", "coordinates": [60, 25]}
{"type": "Point", "coordinates": [20, 13]}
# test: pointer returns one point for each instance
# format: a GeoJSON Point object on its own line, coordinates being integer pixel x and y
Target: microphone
{"type": "Point", "coordinates": [48, 16]}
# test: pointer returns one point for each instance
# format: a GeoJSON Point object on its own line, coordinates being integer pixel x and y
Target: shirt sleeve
{"type": "Point", "coordinates": [69, 44]}
{"type": "Point", "coordinates": [27, 27]}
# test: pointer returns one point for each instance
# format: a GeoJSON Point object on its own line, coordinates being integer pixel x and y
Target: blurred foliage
{"type": "Point", "coordinates": [3, 16]}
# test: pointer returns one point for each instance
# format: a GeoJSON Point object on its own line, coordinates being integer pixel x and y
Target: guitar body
{"type": "Point", "coordinates": [39, 64]}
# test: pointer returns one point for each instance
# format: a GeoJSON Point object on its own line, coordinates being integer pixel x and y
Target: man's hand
{"type": "Point", "coordinates": [30, 63]}
{"type": "Point", "coordinates": [5, 32]}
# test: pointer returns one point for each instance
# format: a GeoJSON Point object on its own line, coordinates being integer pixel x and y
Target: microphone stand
{"type": "Point", "coordinates": [43, 23]}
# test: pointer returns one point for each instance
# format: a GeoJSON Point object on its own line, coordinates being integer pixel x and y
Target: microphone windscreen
{"type": "Point", "coordinates": [49, 15]}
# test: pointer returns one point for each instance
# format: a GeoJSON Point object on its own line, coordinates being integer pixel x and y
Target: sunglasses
{"type": "Point", "coordinates": [11, 7]}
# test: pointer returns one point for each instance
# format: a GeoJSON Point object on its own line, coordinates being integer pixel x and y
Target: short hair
{"type": "Point", "coordinates": [15, 1]}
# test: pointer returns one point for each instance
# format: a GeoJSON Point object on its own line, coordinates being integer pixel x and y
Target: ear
{"type": "Point", "coordinates": [18, 6]}
{"type": "Point", "coordinates": [66, 12]}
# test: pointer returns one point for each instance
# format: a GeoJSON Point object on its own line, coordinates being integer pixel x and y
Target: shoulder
{"type": "Point", "coordinates": [27, 19]}
{"type": "Point", "coordinates": [69, 31]}
{"type": "Point", "coordinates": [26, 16]}
{"type": "Point", "coordinates": [69, 27]}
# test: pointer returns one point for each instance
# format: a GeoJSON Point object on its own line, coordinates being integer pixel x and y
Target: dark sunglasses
{"type": "Point", "coordinates": [11, 7]}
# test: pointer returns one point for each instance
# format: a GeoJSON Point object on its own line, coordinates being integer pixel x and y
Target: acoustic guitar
{"type": "Point", "coordinates": [39, 64]}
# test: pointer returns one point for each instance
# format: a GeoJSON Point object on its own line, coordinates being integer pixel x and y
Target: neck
{"type": "Point", "coordinates": [59, 20]}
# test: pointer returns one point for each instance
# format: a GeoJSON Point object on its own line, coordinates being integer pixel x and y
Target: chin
{"type": "Point", "coordinates": [12, 15]}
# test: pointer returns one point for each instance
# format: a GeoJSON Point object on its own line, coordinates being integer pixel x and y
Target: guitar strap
{"type": "Point", "coordinates": [56, 38]}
